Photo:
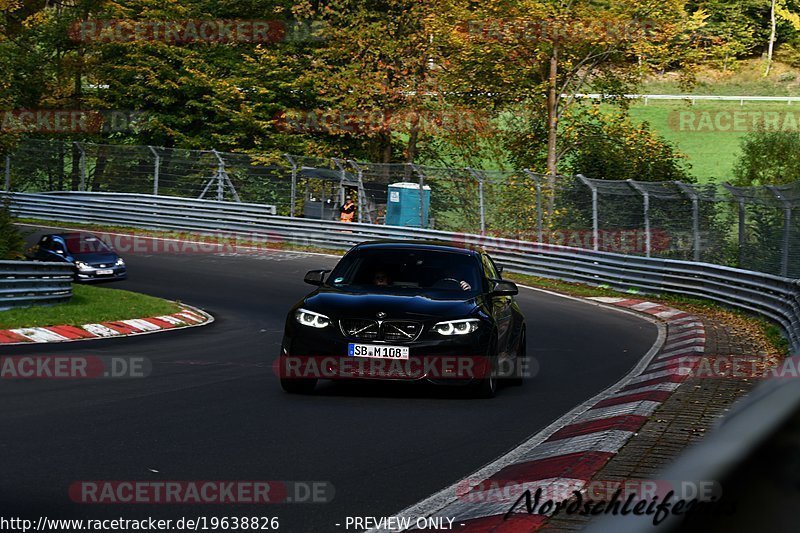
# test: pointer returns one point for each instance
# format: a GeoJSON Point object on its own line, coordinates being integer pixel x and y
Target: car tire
{"type": "Point", "coordinates": [487, 387]}
{"type": "Point", "coordinates": [522, 353]}
{"type": "Point", "coordinates": [298, 386]}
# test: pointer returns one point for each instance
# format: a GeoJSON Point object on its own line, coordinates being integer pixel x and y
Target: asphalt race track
{"type": "Point", "coordinates": [212, 409]}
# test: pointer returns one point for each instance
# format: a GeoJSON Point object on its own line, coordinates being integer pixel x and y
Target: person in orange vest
{"type": "Point", "coordinates": [347, 211]}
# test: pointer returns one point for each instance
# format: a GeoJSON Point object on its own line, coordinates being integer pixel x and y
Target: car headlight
{"type": "Point", "coordinates": [457, 327]}
{"type": "Point", "coordinates": [310, 318]}
{"type": "Point", "coordinates": [82, 266]}
{"type": "Point", "coordinates": [120, 262]}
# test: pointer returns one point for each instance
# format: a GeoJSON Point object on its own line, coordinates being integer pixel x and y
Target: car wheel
{"type": "Point", "coordinates": [298, 386]}
{"type": "Point", "coordinates": [522, 353]}
{"type": "Point", "coordinates": [487, 387]}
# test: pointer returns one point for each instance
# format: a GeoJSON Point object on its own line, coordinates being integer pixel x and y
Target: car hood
{"type": "Point", "coordinates": [94, 258]}
{"type": "Point", "coordinates": [341, 304]}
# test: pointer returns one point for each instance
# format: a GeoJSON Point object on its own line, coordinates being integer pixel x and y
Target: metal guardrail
{"type": "Point", "coordinates": [774, 297]}
{"type": "Point", "coordinates": [26, 283]}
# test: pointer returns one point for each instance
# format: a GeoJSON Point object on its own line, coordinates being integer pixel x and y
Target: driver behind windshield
{"type": "Point", "coordinates": [451, 275]}
{"type": "Point", "coordinates": [381, 278]}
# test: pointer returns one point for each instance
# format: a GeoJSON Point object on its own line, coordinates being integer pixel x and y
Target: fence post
{"type": "Point", "coordinates": [293, 193]}
{"type": "Point", "coordinates": [156, 170]}
{"type": "Point", "coordinates": [595, 220]}
{"type": "Point", "coordinates": [692, 194]}
{"type": "Point", "coordinates": [361, 192]}
{"type": "Point", "coordinates": [481, 205]}
{"type": "Point", "coordinates": [82, 166]}
{"type": "Point", "coordinates": [538, 186]}
{"type": "Point", "coordinates": [646, 199]}
{"type": "Point", "coordinates": [8, 173]}
{"type": "Point", "coordinates": [220, 172]}
{"type": "Point", "coordinates": [421, 176]}
{"type": "Point", "coordinates": [742, 214]}
{"type": "Point", "coordinates": [787, 228]}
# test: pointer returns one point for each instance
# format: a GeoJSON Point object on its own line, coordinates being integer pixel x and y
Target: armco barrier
{"type": "Point", "coordinates": [26, 283]}
{"type": "Point", "coordinates": [771, 296]}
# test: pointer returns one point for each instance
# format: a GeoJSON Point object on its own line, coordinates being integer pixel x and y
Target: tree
{"type": "Point", "coordinates": [532, 57]}
{"type": "Point", "coordinates": [782, 9]}
{"type": "Point", "coordinates": [609, 146]}
{"type": "Point", "coordinates": [768, 158]}
{"type": "Point", "coordinates": [12, 244]}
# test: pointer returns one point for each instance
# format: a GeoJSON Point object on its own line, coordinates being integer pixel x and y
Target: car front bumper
{"type": "Point", "coordinates": [93, 274]}
{"type": "Point", "coordinates": [321, 354]}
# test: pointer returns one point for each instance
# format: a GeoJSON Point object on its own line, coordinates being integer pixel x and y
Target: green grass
{"type": "Point", "coordinates": [88, 305]}
{"type": "Point", "coordinates": [711, 153]}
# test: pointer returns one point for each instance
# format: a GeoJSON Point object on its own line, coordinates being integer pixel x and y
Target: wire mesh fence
{"type": "Point", "coordinates": [756, 228]}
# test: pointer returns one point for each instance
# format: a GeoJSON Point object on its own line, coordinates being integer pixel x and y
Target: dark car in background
{"type": "Point", "coordinates": [412, 311]}
{"type": "Point", "coordinates": [94, 260]}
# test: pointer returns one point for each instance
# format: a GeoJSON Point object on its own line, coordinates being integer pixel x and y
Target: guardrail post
{"type": "Point", "coordinates": [8, 173]}
{"type": "Point", "coordinates": [692, 194]}
{"type": "Point", "coordinates": [293, 193]}
{"type": "Point", "coordinates": [595, 220]}
{"type": "Point", "coordinates": [477, 175]}
{"type": "Point", "coordinates": [646, 209]}
{"type": "Point", "coordinates": [82, 166]}
{"type": "Point", "coordinates": [156, 170]}
{"type": "Point", "coordinates": [787, 228]}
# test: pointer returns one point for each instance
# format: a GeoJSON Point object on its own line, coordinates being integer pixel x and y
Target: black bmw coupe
{"type": "Point", "coordinates": [410, 311]}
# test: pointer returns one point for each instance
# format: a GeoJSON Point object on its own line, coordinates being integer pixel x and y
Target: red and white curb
{"type": "Point", "coordinates": [568, 453]}
{"type": "Point", "coordinates": [186, 318]}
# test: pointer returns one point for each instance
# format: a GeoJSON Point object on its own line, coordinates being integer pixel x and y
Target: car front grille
{"type": "Point", "coordinates": [389, 330]}
{"type": "Point", "coordinates": [360, 329]}
{"type": "Point", "coordinates": [401, 330]}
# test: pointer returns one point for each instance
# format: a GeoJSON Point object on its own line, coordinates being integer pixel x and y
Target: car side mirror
{"type": "Point", "coordinates": [499, 269]}
{"type": "Point", "coordinates": [315, 277]}
{"type": "Point", "coordinates": [504, 288]}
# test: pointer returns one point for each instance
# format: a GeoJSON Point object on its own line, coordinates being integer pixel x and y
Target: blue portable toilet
{"type": "Point", "coordinates": [403, 205]}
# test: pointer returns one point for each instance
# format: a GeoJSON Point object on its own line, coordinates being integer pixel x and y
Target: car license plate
{"type": "Point", "coordinates": [105, 272]}
{"type": "Point", "coordinates": [377, 351]}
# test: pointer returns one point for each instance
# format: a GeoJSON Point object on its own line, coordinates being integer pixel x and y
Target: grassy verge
{"type": "Point", "coordinates": [88, 305]}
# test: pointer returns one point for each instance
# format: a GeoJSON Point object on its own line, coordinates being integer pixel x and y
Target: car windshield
{"type": "Point", "coordinates": [86, 244]}
{"type": "Point", "coordinates": [428, 272]}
